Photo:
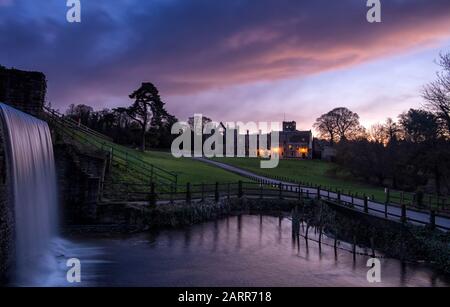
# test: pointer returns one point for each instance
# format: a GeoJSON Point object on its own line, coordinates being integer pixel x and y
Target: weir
{"type": "Point", "coordinates": [30, 170]}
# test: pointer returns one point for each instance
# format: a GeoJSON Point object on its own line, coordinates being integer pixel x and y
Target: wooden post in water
{"type": "Point", "coordinates": [318, 192]}
{"type": "Point", "coordinates": [372, 246]}
{"type": "Point", "coordinates": [339, 197]}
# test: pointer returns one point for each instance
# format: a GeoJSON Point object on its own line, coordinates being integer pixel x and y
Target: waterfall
{"type": "Point", "coordinates": [33, 184]}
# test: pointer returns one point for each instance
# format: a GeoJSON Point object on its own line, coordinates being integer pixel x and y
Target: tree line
{"type": "Point", "coordinates": [144, 124]}
{"type": "Point", "coordinates": [410, 153]}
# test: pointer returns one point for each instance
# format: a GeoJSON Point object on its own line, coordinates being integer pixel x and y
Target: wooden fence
{"type": "Point", "coordinates": [268, 190]}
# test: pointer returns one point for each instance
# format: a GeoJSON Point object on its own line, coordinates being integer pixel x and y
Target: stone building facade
{"type": "Point", "coordinates": [295, 144]}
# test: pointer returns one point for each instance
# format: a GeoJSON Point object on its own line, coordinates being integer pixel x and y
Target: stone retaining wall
{"type": "Point", "coordinates": [6, 216]}
{"type": "Point", "coordinates": [23, 90]}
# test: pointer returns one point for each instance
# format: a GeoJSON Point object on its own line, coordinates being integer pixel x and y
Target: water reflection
{"type": "Point", "coordinates": [243, 250]}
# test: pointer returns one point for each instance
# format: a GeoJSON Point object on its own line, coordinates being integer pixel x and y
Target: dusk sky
{"type": "Point", "coordinates": [233, 60]}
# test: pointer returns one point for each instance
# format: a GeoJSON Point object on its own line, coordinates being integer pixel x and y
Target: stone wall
{"type": "Point", "coordinates": [79, 175]}
{"type": "Point", "coordinates": [6, 215]}
{"type": "Point", "coordinates": [23, 90]}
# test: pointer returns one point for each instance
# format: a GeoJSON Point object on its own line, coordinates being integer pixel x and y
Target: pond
{"type": "Point", "coordinates": [245, 250]}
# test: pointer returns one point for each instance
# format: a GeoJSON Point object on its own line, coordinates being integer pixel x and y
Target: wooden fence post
{"type": "Point", "coordinates": [172, 190]}
{"type": "Point", "coordinates": [152, 199]}
{"type": "Point", "coordinates": [203, 191]}
{"type": "Point", "coordinates": [240, 192]}
{"type": "Point", "coordinates": [404, 218]}
{"type": "Point", "coordinates": [188, 193]}
{"type": "Point", "coordinates": [432, 219]}
{"type": "Point", "coordinates": [386, 202]}
{"type": "Point", "coordinates": [216, 194]}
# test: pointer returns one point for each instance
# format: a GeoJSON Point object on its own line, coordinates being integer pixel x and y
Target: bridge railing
{"type": "Point", "coordinates": [263, 190]}
{"type": "Point", "coordinates": [413, 201]}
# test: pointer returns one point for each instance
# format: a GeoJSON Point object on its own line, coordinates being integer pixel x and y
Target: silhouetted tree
{"type": "Point", "coordinates": [419, 126]}
{"type": "Point", "coordinates": [339, 124]}
{"type": "Point", "coordinates": [437, 94]}
{"type": "Point", "coordinates": [80, 113]}
{"type": "Point", "coordinates": [148, 111]}
{"type": "Point", "coordinates": [326, 127]}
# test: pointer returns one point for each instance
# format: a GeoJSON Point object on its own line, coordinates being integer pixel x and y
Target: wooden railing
{"type": "Point", "coordinates": [145, 172]}
{"type": "Point", "coordinates": [427, 202]}
{"type": "Point", "coordinates": [266, 190]}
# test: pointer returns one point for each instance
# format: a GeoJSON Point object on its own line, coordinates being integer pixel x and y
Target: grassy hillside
{"type": "Point", "coordinates": [187, 170]}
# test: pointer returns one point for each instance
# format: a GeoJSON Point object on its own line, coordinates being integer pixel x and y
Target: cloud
{"type": "Point", "coordinates": [188, 47]}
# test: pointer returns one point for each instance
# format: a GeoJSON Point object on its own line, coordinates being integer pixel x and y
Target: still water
{"type": "Point", "coordinates": [244, 250]}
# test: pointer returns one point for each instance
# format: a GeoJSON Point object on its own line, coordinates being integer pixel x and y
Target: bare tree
{"type": "Point", "coordinates": [392, 130]}
{"type": "Point", "coordinates": [326, 126]}
{"type": "Point", "coordinates": [378, 134]}
{"type": "Point", "coordinates": [437, 93]}
{"type": "Point", "coordinates": [339, 124]}
{"type": "Point", "coordinates": [347, 123]}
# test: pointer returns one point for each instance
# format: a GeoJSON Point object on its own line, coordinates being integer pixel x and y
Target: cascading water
{"type": "Point", "coordinates": [33, 182]}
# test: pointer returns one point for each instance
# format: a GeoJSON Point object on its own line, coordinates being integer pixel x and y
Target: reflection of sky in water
{"type": "Point", "coordinates": [237, 251]}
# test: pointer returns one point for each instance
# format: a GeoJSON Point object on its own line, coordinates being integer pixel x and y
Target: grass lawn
{"type": "Point", "coordinates": [189, 170]}
{"type": "Point", "coordinates": [314, 172]}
